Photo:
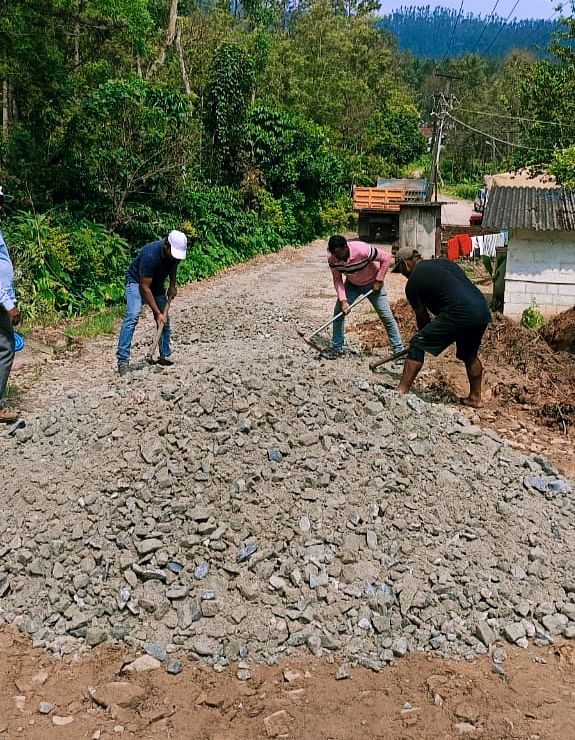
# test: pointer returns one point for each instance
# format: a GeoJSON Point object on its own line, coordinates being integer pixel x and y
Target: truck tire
{"type": "Point", "coordinates": [363, 227]}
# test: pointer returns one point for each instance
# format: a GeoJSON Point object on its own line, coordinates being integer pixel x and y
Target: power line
{"type": "Point", "coordinates": [489, 17]}
{"type": "Point", "coordinates": [502, 27]}
{"type": "Point", "coordinates": [496, 138]}
{"type": "Point", "coordinates": [454, 29]}
{"type": "Point", "coordinates": [511, 118]}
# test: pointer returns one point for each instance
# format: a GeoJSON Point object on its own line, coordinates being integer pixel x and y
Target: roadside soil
{"type": "Point", "coordinates": [532, 697]}
{"type": "Point", "coordinates": [419, 698]}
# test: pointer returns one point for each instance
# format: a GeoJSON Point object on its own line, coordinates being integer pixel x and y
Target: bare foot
{"type": "Point", "coordinates": [474, 403]}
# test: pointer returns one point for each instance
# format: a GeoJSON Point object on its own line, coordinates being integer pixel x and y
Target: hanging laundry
{"type": "Point", "coordinates": [464, 245]}
{"type": "Point", "coordinates": [453, 248]}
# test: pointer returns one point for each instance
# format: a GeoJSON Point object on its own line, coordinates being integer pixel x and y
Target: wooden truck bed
{"type": "Point", "coordinates": [384, 199]}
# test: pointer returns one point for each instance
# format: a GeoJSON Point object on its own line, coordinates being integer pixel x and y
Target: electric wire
{"type": "Point", "coordinates": [496, 138]}
{"type": "Point", "coordinates": [494, 39]}
{"type": "Point", "coordinates": [489, 17]}
{"type": "Point", "coordinates": [511, 118]}
{"type": "Point", "coordinates": [454, 29]}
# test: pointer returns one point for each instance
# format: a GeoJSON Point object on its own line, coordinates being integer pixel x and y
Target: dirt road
{"type": "Point", "coordinates": [514, 693]}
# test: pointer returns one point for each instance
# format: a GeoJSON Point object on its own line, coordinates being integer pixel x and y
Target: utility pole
{"type": "Point", "coordinates": [445, 105]}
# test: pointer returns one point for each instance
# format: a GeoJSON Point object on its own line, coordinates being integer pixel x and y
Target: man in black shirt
{"type": "Point", "coordinates": [461, 316]}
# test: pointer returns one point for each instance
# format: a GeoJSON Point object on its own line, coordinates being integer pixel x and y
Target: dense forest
{"type": "Point", "coordinates": [244, 126]}
{"type": "Point", "coordinates": [441, 32]}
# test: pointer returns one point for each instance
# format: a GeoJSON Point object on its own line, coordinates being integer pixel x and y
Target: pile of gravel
{"type": "Point", "coordinates": [241, 507]}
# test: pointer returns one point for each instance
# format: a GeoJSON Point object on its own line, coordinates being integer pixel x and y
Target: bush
{"type": "Point", "coordinates": [63, 267]}
{"type": "Point", "coordinates": [337, 216]}
{"type": "Point", "coordinates": [532, 318]}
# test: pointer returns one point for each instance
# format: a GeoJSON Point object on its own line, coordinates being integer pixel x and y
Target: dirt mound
{"type": "Point", "coordinates": [533, 373]}
{"type": "Point", "coordinates": [521, 367]}
{"type": "Point", "coordinates": [559, 333]}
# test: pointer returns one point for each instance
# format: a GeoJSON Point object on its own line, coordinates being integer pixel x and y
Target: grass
{"type": "Point", "coordinates": [463, 190]}
{"type": "Point", "coordinates": [96, 324]}
{"type": "Point", "coordinates": [13, 394]}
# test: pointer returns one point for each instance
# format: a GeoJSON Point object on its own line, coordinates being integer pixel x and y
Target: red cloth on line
{"type": "Point", "coordinates": [453, 248]}
{"type": "Point", "coordinates": [464, 245]}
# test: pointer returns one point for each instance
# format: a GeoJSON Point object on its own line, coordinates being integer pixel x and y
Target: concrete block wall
{"type": "Point", "coordinates": [542, 270]}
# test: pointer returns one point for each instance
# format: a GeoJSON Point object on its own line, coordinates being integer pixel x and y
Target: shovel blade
{"type": "Point", "coordinates": [308, 341]}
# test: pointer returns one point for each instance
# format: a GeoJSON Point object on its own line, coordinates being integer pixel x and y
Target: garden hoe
{"type": "Point", "coordinates": [389, 358]}
{"type": "Point", "coordinates": [309, 338]}
{"type": "Point", "coordinates": [159, 330]}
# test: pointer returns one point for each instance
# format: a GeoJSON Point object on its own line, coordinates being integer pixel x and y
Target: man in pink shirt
{"type": "Point", "coordinates": [364, 267]}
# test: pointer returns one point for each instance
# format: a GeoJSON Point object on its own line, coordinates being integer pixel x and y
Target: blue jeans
{"type": "Point", "coordinates": [381, 305]}
{"type": "Point", "coordinates": [6, 351]}
{"type": "Point", "coordinates": [131, 317]}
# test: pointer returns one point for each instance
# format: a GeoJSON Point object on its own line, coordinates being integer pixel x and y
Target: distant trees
{"type": "Point", "coordinates": [427, 33]}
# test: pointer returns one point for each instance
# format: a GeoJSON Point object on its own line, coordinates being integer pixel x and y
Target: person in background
{"type": "Point", "coordinates": [364, 268]}
{"type": "Point", "coordinates": [145, 283]}
{"type": "Point", "coordinates": [461, 315]}
{"type": "Point", "coordinates": [9, 319]}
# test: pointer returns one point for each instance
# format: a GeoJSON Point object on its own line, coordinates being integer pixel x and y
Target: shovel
{"type": "Point", "coordinates": [309, 338]}
{"type": "Point", "coordinates": [389, 358]}
{"type": "Point", "coordinates": [160, 329]}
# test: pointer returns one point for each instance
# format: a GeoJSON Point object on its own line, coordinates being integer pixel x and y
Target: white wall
{"type": "Point", "coordinates": [540, 266]}
{"type": "Point", "coordinates": [417, 228]}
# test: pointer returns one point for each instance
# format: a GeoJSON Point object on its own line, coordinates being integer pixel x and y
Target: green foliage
{"type": "Point", "coordinates": [226, 233]}
{"type": "Point", "coordinates": [463, 190]}
{"type": "Point", "coordinates": [63, 267]}
{"type": "Point", "coordinates": [337, 216]}
{"type": "Point", "coordinates": [126, 135]}
{"type": "Point", "coordinates": [292, 154]}
{"type": "Point", "coordinates": [546, 95]}
{"type": "Point", "coordinates": [532, 318]}
{"type": "Point", "coordinates": [563, 166]}
{"type": "Point", "coordinates": [426, 32]}
{"type": "Point", "coordinates": [245, 130]}
{"type": "Point", "coordinates": [393, 133]}
{"type": "Point", "coordinates": [227, 97]}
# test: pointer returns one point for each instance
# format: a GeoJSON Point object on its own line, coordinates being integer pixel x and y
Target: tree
{"type": "Point", "coordinates": [128, 138]}
{"type": "Point", "coordinates": [227, 98]}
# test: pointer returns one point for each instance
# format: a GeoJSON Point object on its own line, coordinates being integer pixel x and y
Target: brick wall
{"type": "Point", "coordinates": [542, 270]}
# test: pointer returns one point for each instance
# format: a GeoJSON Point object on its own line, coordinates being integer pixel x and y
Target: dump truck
{"type": "Point", "coordinates": [378, 207]}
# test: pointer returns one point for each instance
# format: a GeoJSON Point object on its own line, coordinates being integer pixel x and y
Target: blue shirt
{"type": "Point", "coordinates": [150, 262]}
{"type": "Point", "coordinates": [7, 294]}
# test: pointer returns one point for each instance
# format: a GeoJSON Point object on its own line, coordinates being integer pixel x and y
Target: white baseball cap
{"type": "Point", "coordinates": [178, 244]}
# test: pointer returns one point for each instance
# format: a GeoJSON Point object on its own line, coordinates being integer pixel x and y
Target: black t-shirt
{"type": "Point", "coordinates": [150, 262]}
{"type": "Point", "coordinates": [443, 288]}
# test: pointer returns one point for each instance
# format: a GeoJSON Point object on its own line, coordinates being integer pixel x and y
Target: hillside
{"type": "Point", "coordinates": [439, 32]}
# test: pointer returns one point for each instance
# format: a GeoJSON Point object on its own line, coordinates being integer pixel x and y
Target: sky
{"type": "Point", "coordinates": [524, 9]}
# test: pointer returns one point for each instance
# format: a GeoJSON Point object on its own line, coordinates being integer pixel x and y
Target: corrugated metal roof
{"type": "Point", "coordinates": [551, 209]}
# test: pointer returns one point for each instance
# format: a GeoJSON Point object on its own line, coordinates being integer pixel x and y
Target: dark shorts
{"type": "Point", "coordinates": [440, 333]}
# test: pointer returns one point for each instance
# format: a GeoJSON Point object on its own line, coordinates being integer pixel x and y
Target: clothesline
{"type": "Point", "coordinates": [464, 245]}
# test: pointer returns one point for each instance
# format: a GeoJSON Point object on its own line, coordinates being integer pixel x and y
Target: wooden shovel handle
{"type": "Point", "coordinates": [159, 330]}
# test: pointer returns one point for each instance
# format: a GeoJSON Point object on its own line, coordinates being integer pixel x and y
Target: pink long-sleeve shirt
{"type": "Point", "coordinates": [365, 265]}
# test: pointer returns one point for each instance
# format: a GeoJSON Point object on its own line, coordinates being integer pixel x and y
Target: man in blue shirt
{"type": "Point", "coordinates": [9, 318]}
{"type": "Point", "coordinates": [145, 282]}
